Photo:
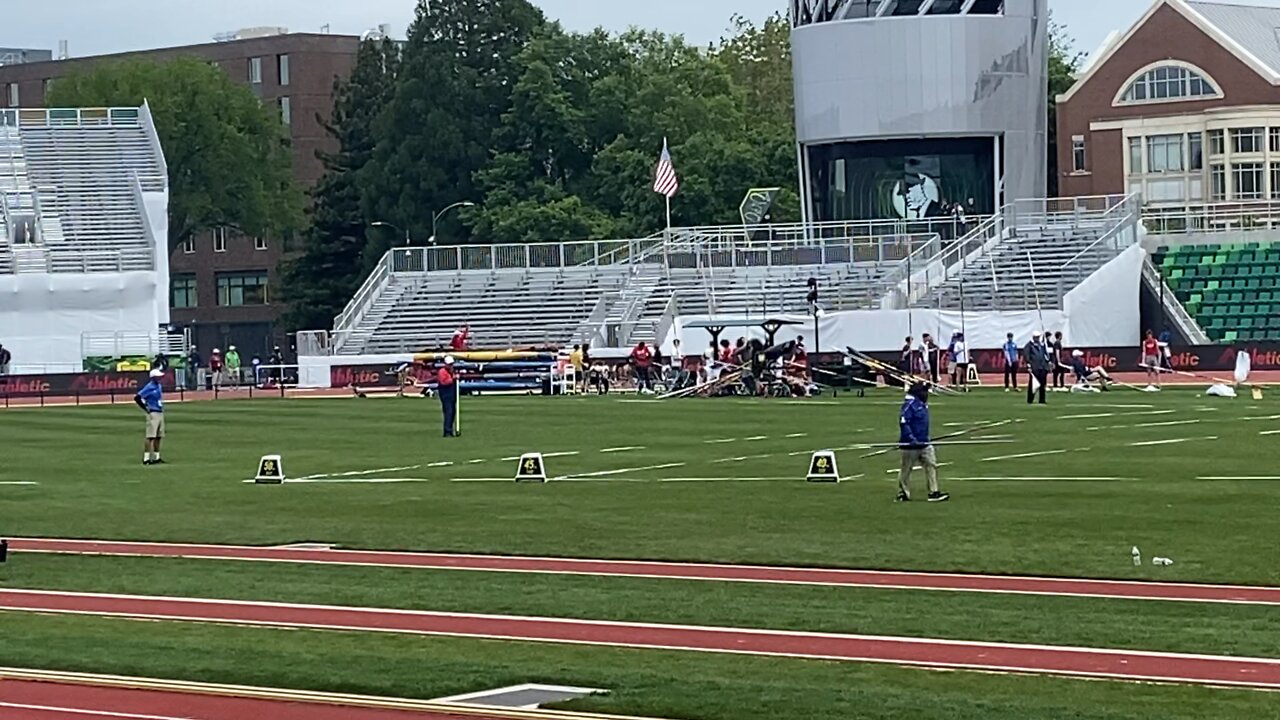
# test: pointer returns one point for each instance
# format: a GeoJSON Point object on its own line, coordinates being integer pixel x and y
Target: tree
{"type": "Point", "coordinates": [1064, 63]}
{"type": "Point", "coordinates": [459, 68]}
{"type": "Point", "coordinates": [228, 155]}
{"type": "Point", "coordinates": [337, 251]}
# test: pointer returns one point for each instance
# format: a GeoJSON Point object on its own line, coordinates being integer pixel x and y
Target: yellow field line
{"type": "Point", "coordinates": [284, 695]}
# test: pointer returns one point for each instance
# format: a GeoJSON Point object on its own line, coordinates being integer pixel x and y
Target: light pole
{"type": "Point", "coordinates": [393, 226]}
{"type": "Point", "coordinates": [435, 218]}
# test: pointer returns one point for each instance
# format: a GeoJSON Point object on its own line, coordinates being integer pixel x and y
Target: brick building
{"type": "Point", "coordinates": [1184, 108]}
{"type": "Point", "coordinates": [222, 283]}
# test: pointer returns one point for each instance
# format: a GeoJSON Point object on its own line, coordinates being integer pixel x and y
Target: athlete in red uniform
{"type": "Point", "coordinates": [642, 359]}
{"type": "Point", "coordinates": [460, 338]}
{"type": "Point", "coordinates": [1151, 359]}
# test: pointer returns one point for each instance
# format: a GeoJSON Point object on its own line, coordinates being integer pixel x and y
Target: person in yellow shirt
{"type": "Point", "coordinates": [579, 370]}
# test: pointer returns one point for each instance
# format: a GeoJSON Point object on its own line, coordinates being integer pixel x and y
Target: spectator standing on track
{"type": "Point", "coordinates": [916, 447]}
{"type": "Point", "coordinates": [925, 354]}
{"type": "Point", "coordinates": [217, 367]}
{"type": "Point", "coordinates": [447, 388]}
{"type": "Point", "coordinates": [233, 365]}
{"type": "Point", "coordinates": [460, 338]}
{"type": "Point", "coordinates": [1010, 353]}
{"type": "Point", "coordinates": [1059, 368]}
{"type": "Point", "coordinates": [276, 361]}
{"type": "Point", "coordinates": [575, 360]}
{"type": "Point", "coordinates": [160, 362]}
{"type": "Point", "coordinates": [151, 399]}
{"type": "Point", "coordinates": [641, 359]}
{"type": "Point", "coordinates": [1037, 357]}
{"type": "Point", "coordinates": [960, 352]}
{"type": "Point", "coordinates": [6, 357]}
{"type": "Point", "coordinates": [195, 370]}
{"type": "Point", "coordinates": [904, 356]}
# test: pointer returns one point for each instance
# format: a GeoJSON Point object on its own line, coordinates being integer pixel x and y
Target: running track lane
{"type": "Point", "coordinates": [1001, 657]}
{"type": "Point", "coordinates": [1238, 594]}
{"type": "Point", "coordinates": [26, 700]}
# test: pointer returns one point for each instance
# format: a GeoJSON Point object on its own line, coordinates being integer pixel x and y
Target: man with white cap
{"type": "Point", "coordinates": [1038, 363]}
{"type": "Point", "coordinates": [151, 399]}
{"type": "Point", "coordinates": [447, 389]}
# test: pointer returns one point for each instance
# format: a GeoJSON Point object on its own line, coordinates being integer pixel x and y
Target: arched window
{"type": "Point", "coordinates": [1168, 82]}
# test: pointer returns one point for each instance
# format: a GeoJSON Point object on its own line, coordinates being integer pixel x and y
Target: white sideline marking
{"type": "Point", "coordinates": [1023, 455]}
{"type": "Point", "coordinates": [1089, 416]}
{"type": "Point", "coordinates": [19, 482]}
{"type": "Point", "coordinates": [1169, 423]}
{"type": "Point", "coordinates": [798, 435]}
{"type": "Point", "coordinates": [354, 473]}
{"type": "Point", "coordinates": [743, 458]}
{"type": "Point", "coordinates": [720, 442]}
{"type": "Point", "coordinates": [1264, 432]}
{"type": "Point", "coordinates": [620, 471]}
{"type": "Point", "coordinates": [1171, 441]}
{"type": "Point", "coordinates": [479, 460]}
{"type": "Point", "coordinates": [344, 481]}
{"type": "Point", "coordinates": [1047, 479]}
{"type": "Point", "coordinates": [65, 712]}
{"type": "Point", "coordinates": [755, 438]}
{"type": "Point", "coordinates": [628, 448]}
{"type": "Point", "coordinates": [1238, 477]}
{"type": "Point", "coordinates": [1265, 417]}
{"type": "Point", "coordinates": [917, 467]}
{"type": "Point", "coordinates": [513, 458]}
{"type": "Point", "coordinates": [445, 463]}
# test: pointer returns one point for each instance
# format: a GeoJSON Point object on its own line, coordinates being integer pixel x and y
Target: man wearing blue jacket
{"type": "Point", "coordinates": [1010, 349]}
{"type": "Point", "coordinates": [913, 440]}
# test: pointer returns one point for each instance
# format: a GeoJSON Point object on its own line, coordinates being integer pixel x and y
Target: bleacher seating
{"type": "Point", "coordinates": [1232, 290]}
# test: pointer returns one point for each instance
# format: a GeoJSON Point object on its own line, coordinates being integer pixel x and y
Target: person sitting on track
{"type": "Point", "coordinates": [1086, 375]}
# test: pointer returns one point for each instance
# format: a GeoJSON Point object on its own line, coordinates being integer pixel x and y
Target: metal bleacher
{"type": "Point", "coordinates": [80, 176]}
{"type": "Point", "coordinates": [618, 292]}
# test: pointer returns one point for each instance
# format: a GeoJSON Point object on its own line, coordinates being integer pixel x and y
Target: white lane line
{"type": "Point", "coordinates": [1264, 432]}
{"type": "Point", "coordinates": [798, 435]}
{"type": "Point", "coordinates": [1046, 479]}
{"type": "Point", "coordinates": [1170, 423]}
{"type": "Point", "coordinates": [743, 458]}
{"type": "Point", "coordinates": [1171, 441]}
{"type": "Point", "coordinates": [477, 461]}
{"type": "Point", "coordinates": [721, 441]}
{"type": "Point", "coordinates": [1024, 455]}
{"type": "Point", "coordinates": [755, 438]}
{"type": "Point", "coordinates": [1239, 477]}
{"type": "Point", "coordinates": [621, 471]}
{"type": "Point", "coordinates": [917, 467]}
{"type": "Point", "coordinates": [1088, 416]}
{"type": "Point", "coordinates": [444, 463]}
{"type": "Point", "coordinates": [65, 712]}
{"type": "Point", "coordinates": [378, 471]}
{"type": "Point", "coordinates": [1264, 417]}
{"type": "Point", "coordinates": [18, 482]}
{"type": "Point", "coordinates": [628, 448]}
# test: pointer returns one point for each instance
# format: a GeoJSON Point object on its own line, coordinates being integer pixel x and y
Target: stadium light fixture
{"type": "Point", "coordinates": [393, 226]}
{"type": "Point", "coordinates": [435, 218]}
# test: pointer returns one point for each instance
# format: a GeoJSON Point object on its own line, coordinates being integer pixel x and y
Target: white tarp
{"type": "Point", "coordinates": [1104, 310]}
{"type": "Point", "coordinates": [42, 316]}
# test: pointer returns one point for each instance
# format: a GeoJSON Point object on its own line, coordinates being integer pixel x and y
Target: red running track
{"type": "Point", "coordinates": [1238, 594]}
{"type": "Point", "coordinates": [26, 700]}
{"type": "Point", "coordinates": [1000, 657]}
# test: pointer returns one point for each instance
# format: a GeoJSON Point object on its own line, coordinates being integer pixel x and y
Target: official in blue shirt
{"type": "Point", "coordinates": [1010, 349]}
{"type": "Point", "coordinates": [151, 399]}
{"type": "Point", "coordinates": [913, 440]}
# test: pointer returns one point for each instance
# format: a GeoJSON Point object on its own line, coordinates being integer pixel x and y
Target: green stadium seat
{"type": "Point", "coordinates": [1211, 285]}
{"type": "Point", "coordinates": [1245, 323]}
{"type": "Point", "coordinates": [1176, 273]}
{"type": "Point", "coordinates": [1229, 336]}
{"type": "Point", "coordinates": [1196, 298]}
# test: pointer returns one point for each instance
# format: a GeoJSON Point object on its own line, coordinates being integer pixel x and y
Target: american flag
{"type": "Point", "coordinates": [665, 181]}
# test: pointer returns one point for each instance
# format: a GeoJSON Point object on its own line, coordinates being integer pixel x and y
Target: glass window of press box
{"type": "Point", "coordinates": [902, 179]}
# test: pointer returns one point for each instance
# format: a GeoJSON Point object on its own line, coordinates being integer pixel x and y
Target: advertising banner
{"type": "Point", "coordinates": [68, 384]}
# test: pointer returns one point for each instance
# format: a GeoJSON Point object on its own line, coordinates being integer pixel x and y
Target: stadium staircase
{"type": "Point", "coordinates": [1232, 290]}
{"type": "Point", "coordinates": [1032, 252]}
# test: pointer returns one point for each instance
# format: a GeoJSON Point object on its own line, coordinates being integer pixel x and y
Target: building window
{"type": "Point", "coordinates": [255, 71]}
{"type": "Point", "coordinates": [183, 292]}
{"type": "Point", "coordinates": [189, 246]}
{"type": "Point", "coordinates": [1217, 146]}
{"type": "Point", "coordinates": [282, 63]}
{"type": "Point", "coordinates": [1077, 153]}
{"type": "Point", "coordinates": [220, 240]}
{"type": "Point", "coordinates": [259, 243]}
{"type": "Point", "coordinates": [247, 288]}
{"type": "Point", "coordinates": [1165, 83]}
{"type": "Point", "coordinates": [1217, 182]}
{"type": "Point", "coordinates": [1273, 142]}
{"type": "Point", "coordinates": [11, 91]}
{"type": "Point", "coordinates": [1275, 181]}
{"type": "Point", "coordinates": [1135, 156]}
{"type": "Point", "coordinates": [286, 110]}
{"type": "Point", "coordinates": [1246, 140]}
{"type": "Point", "coordinates": [1164, 153]}
{"type": "Point", "coordinates": [1195, 151]}
{"type": "Point", "coordinates": [1246, 179]}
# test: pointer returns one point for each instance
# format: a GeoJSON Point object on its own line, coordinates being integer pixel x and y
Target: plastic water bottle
{"type": "Point", "coordinates": [1137, 556]}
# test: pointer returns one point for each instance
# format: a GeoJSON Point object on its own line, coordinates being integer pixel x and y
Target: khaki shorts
{"type": "Point", "coordinates": [155, 425]}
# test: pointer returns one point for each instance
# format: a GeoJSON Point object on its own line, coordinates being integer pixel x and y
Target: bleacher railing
{"type": "Point", "coordinates": [1249, 216]}
{"type": "Point", "coordinates": [153, 137]}
{"type": "Point", "coordinates": [83, 117]}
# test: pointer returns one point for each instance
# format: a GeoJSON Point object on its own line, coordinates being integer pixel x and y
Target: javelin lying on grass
{"type": "Point", "coordinates": [1184, 373]}
{"type": "Point", "coordinates": [948, 436]}
{"type": "Point", "coordinates": [728, 374]}
{"type": "Point", "coordinates": [896, 374]}
{"type": "Point", "coordinates": [835, 375]}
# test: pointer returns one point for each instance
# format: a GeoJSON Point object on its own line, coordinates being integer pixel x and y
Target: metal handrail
{"type": "Point", "coordinates": [1122, 225]}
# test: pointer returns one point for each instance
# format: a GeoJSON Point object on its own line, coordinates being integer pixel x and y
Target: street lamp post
{"type": "Point", "coordinates": [407, 240]}
{"type": "Point", "coordinates": [435, 218]}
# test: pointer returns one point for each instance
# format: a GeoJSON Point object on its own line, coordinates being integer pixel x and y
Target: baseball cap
{"type": "Point", "coordinates": [157, 373]}
{"type": "Point", "coordinates": [1077, 353]}
{"type": "Point", "coordinates": [448, 359]}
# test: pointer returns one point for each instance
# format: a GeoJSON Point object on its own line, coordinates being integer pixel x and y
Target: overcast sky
{"type": "Point", "coordinates": [101, 26]}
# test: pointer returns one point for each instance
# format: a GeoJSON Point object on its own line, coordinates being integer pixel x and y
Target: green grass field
{"type": "Point", "coordinates": [710, 480]}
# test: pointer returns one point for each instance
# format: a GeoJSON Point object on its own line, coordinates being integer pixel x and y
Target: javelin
{"type": "Point", "coordinates": [893, 372]}
{"type": "Point", "coordinates": [892, 446]}
{"type": "Point", "coordinates": [1108, 378]}
{"type": "Point", "coordinates": [1184, 373]}
{"type": "Point", "coordinates": [832, 374]}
